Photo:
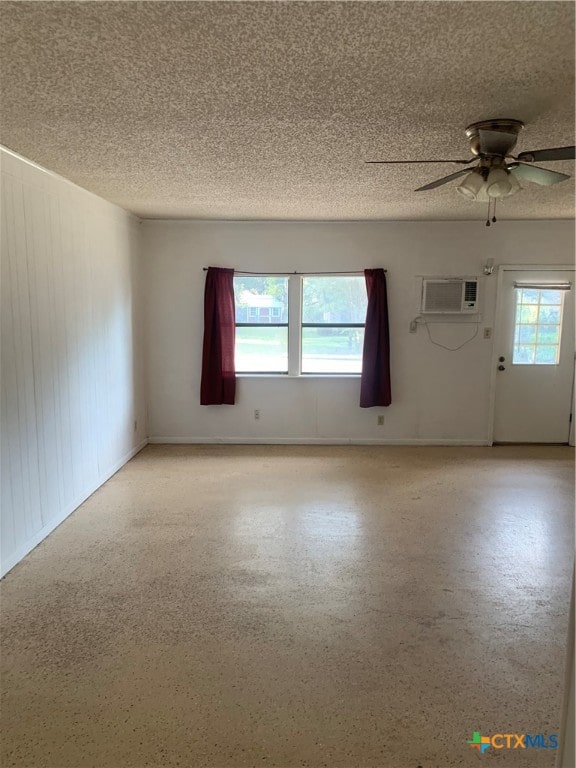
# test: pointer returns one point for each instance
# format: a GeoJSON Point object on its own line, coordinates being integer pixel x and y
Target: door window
{"type": "Point", "coordinates": [538, 326]}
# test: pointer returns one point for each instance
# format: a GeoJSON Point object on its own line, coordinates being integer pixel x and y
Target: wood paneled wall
{"type": "Point", "coordinates": [72, 409]}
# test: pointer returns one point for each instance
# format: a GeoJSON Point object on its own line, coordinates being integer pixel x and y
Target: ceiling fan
{"type": "Point", "coordinates": [497, 172]}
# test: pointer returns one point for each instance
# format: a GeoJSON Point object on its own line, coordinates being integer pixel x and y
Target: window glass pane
{"type": "Point", "coordinates": [551, 297]}
{"type": "Point", "coordinates": [261, 299]}
{"type": "Point", "coordinates": [261, 349]}
{"type": "Point", "coordinates": [549, 314]}
{"type": "Point", "coordinates": [527, 314]}
{"type": "Point", "coordinates": [526, 334]}
{"type": "Point", "coordinates": [524, 354]}
{"type": "Point", "coordinates": [332, 350]}
{"type": "Point", "coordinates": [334, 299]}
{"type": "Point", "coordinates": [529, 295]}
{"type": "Point", "coordinates": [546, 354]}
{"type": "Point", "coordinates": [548, 334]}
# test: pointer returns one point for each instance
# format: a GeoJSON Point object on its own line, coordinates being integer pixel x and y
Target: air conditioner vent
{"type": "Point", "coordinates": [470, 290]}
{"type": "Point", "coordinates": [449, 295]}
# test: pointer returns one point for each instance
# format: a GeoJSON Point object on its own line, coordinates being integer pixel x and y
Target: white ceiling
{"type": "Point", "coordinates": [267, 110]}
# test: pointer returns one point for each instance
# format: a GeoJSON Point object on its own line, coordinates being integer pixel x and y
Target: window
{"type": "Point", "coordinates": [333, 316]}
{"type": "Point", "coordinates": [538, 326]}
{"type": "Point", "coordinates": [261, 336]}
{"type": "Point", "coordinates": [300, 325]}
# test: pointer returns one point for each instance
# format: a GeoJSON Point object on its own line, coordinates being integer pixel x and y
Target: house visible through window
{"type": "Point", "coordinates": [300, 325]}
{"type": "Point", "coordinates": [261, 324]}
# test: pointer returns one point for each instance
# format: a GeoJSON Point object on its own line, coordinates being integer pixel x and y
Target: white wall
{"type": "Point", "coordinates": [72, 363]}
{"type": "Point", "coordinates": [438, 396]}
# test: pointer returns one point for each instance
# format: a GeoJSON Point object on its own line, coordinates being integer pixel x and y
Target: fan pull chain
{"type": "Point", "coordinates": [494, 219]}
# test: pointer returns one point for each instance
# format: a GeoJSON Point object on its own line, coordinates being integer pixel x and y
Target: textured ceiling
{"type": "Point", "coordinates": [266, 110]}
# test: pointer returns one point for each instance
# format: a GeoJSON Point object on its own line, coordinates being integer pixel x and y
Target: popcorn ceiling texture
{"type": "Point", "coordinates": [267, 110]}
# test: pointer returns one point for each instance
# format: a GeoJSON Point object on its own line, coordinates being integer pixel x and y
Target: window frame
{"type": "Point", "coordinates": [295, 326]}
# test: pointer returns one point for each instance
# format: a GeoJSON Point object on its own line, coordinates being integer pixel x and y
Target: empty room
{"type": "Point", "coordinates": [287, 383]}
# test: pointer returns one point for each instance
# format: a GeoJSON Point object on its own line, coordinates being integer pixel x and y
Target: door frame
{"type": "Point", "coordinates": [497, 335]}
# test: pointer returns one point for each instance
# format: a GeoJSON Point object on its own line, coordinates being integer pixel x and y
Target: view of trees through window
{"type": "Point", "coordinates": [333, 316]}
{"type": "Point", "coordinates": [333, 313]}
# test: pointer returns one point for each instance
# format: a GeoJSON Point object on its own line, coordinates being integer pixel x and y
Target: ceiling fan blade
{"type": "Point", "coordinates": [533, 173]}
{"type": "Point", "coordinates": [398, 162]}
{"type": "Point", "coordinates": [496, 142]}
{"type": "Point", "coordinates": [443, 180]}
{"type": "Point", "coordinates": [557, 153]}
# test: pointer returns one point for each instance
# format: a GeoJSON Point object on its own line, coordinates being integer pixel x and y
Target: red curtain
{"type": "Point", "coordinates": [375, 382]}
{"type": "Point", "coordinates": [218, 373]}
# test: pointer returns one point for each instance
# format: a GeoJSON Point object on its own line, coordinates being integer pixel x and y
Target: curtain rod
{"type": "Point", "coordinates": [287, 274]}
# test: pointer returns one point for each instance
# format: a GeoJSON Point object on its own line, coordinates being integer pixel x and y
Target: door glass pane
{"type": "Point", "coordinates": [524, 353]}
{"type": "Point", "coordinates": [526, 334]}
{"type": "Point", "coordinates": [549, 314]}
{"type": "Point", "coordinates": [260, 349]}
{"type": "Point", "coordinates": [551, 297]}
{"type": "Point", "coordinates": [548, 334]}
{"type": "Point", "coordinates": [530, 295]}
{"type": "Point", "coordinates": [527, 314]}
{"type": "Point", "coordinates": [537, 331]}
{"type": "Point", "coordinates": [546, 354]}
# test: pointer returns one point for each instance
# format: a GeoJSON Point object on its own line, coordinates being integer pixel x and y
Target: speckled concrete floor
{"type": "Point", "coordinates": [295, 606]}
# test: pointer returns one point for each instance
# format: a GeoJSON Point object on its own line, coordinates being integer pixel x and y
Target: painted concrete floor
{"type": "Point", "coordinates": [295, 606]}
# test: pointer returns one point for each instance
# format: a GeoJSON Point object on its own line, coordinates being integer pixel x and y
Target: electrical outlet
{"type": "Point", "coordinates": [487, 333]}
{"type": "Point", "coordinates": [380, 421]}
{"type": "Point", "coordinates": [257, 414]}
{"type": "Point", "coordinates": [413, 326]}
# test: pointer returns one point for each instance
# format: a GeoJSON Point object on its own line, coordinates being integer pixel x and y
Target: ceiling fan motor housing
{"type": "Point", "coordinates": [484, 142]}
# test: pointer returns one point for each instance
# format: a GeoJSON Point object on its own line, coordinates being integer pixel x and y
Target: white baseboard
{"type": "Point", "coordinates": [163, 440]}
{"type": "Point", "coordinates": [9, 562]}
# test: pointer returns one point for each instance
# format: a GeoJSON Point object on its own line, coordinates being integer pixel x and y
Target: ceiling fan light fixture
{"type": "Point", "coordinates": [498, 183]}
{"type": "Point", "coordinates": [495, 178]}
{"type": "Point", "coordinates": [482, 196]}
{"type": "Point", "coordinates": [514, 184]}
{"type": "Point", "coordinates": [471, 185]}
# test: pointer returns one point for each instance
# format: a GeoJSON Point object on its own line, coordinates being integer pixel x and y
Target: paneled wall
{"type": "Point", "coordinates": [72, 409]}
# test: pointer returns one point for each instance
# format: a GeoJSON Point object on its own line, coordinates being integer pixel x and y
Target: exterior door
{"type": "Point", "coordinates": [535, 366]}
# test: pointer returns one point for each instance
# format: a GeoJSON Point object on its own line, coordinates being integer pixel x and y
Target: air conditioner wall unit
{"type": "Point", "coordinates": [449, 295]}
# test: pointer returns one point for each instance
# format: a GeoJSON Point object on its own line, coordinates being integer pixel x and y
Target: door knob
{"type": "Point", "coordinates": [501, 368]}
{"type": "Point", "coordinates": [501, 359]}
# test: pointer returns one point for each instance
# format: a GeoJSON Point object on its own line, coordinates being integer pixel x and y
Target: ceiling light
{"type": "Point", "coordinates": [498, 184]}
{"type": "Point", "coordinates": [482, 196]}
{"type": "Point", "coordinates": [471, 185]}
{"type": "Point", "coordinates": [514, 184]}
